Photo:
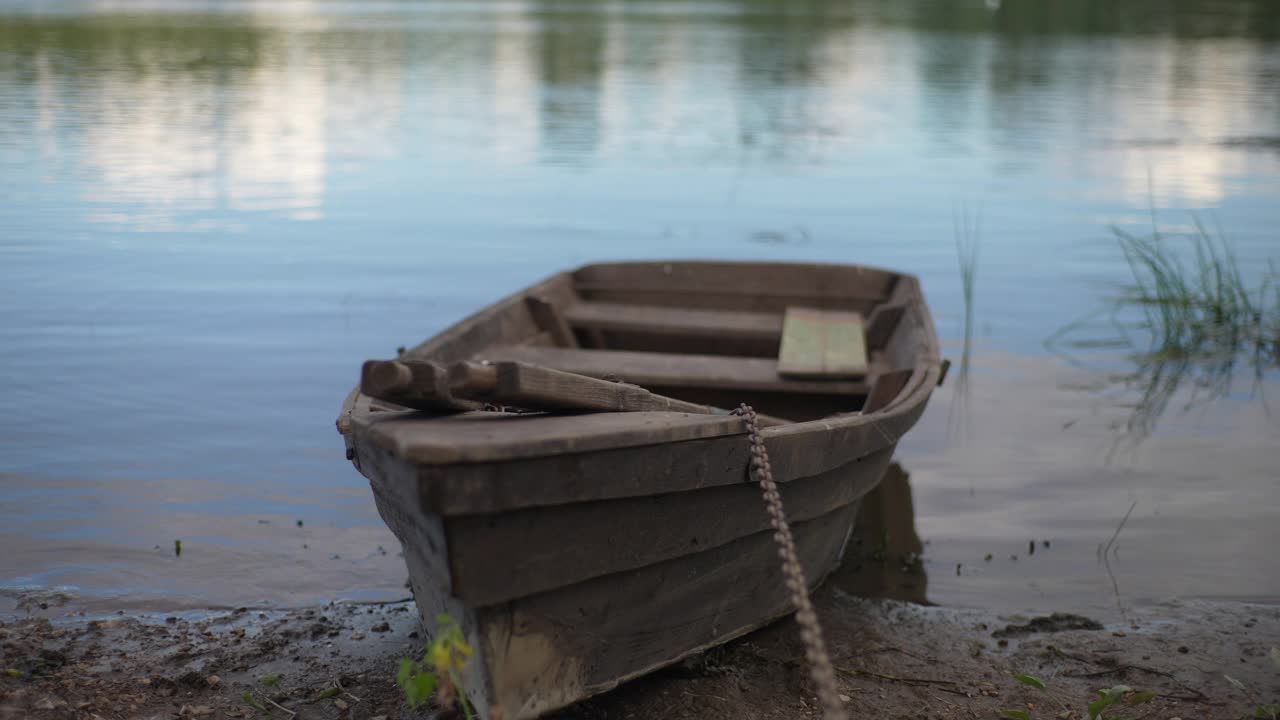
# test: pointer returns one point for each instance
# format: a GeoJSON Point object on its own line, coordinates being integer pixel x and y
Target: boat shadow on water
{"type": "Point", "coordinates": [885, 556]}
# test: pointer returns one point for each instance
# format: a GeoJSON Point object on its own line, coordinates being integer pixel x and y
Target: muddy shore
{"type": "Point", "coordinates": [896, 660]}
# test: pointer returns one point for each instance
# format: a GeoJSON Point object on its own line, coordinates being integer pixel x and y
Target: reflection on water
{"type": "Point", "coordinates": [165, 113]}
{"type": "Point", "coordinates": [212, 211]}
{"type": "Point", "coordinates": [1014, 517]}
{"type": "Point", "coordinates": [885, 557]}
{"type": "Point", "coordinates": [1190, 320]}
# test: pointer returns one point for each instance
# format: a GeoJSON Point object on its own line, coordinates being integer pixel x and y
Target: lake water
{"type": "Point", "coordinates": [211, 212]}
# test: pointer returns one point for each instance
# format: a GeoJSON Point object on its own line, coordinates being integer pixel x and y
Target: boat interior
{"type": "Point", "coordinates": [797, 342]}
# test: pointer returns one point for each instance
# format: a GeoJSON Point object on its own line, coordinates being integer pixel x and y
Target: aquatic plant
{"type": "Point", "coordinates": [968, 230]}
{"type": "Point", "coordinates": [1190, 318]}
{"type": "Point", "coordinates": [1199, 316]}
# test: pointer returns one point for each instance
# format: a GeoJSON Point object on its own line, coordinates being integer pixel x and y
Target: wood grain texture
{"type": "Point", "coordinates": [755, 287]}
{"type": "Point", "coordinates": [549, 318]}
{"type": "Point", "coordinates": [822, 344]}
{"type": "Point", "coordinates": [681, 323]}
{"type": "Point", "coordinates": [881, 324]}
{"type": "Point", "coordinates": [521, 385]}
{"type": "Point", "coordinates": [550, 649]}
{"type": "Point", "coordinates": [411, 383]}
{"type": "Point", "coordinates": [617, 472]}
{"type": "Point", "coordinates": [475, 437]}
{"type": "Point", "coordinates": [506, 322]}
{"type": "Point", "coordinates": [885, 389]}
{"type": "Point", "coordinates": [670, 370]}
{"type": "Point", "coordinates": [545, 548]}
{"type": "Point", "coordinates": [398, 497]}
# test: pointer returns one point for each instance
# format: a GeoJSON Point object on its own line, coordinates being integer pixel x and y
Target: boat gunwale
{"type": "Point", "coordinates": [925, 374]}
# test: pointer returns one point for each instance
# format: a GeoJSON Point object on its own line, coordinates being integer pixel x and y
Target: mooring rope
{"type": "Point", "coordinates": [815, 647]}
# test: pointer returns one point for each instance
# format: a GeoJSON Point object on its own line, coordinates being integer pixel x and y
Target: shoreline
{"type": "Point", "coordinates": [896, 660]}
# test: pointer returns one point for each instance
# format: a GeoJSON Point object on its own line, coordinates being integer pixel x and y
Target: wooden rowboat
{"type": "Point", "coordinates": [578, 550]}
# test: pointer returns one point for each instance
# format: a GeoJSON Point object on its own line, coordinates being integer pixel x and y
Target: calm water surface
{"type": "Point", "coordinates": [211, 212]}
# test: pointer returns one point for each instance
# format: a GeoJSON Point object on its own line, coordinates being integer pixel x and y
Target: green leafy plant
{"type": "Point", "coordinates": [270, 679]}
{"type": "Point", "coordinates": [1095, 709]}
{"type": "Point", "coordinates": [439, 672]}
{"type": "Point", "coordinates": [253, 702]}
{"type": "Point", "coordinates": [1034, 682]}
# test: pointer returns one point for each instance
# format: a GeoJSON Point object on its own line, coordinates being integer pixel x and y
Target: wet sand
{"type": "Point", "coordinates": [895, 659]}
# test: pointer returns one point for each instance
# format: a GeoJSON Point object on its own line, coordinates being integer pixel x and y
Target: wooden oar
{"type": "Point", "coordinates": [540, 388]}
{"type": "Point", "coordinates": [417, 384]}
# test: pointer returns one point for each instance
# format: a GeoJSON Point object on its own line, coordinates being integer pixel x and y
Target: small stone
{"type": "Point", "coordinates": [341, 704]}
{"type": "Point", "coordinates": [1184, 649]}
{"type": "Point", "coordinates": [843, 698]}
{"type": "Point", "coordinates": [50, 703]}
{"type": "Point", "coordinates": [378, 717]}
{"type": "Point", "coordinates": [213, 680]}
{"type": "Point", "coordinates": [381, 627]}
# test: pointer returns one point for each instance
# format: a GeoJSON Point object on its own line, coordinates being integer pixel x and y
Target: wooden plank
{"type": "Point", "coordinates": [670, 370]}
{"type": "Point", "coordinates": [624, 534]}
{"type": "Point", "coordinates": [549, 318]}
{"type": "Point", "coordinates": [550, 649]}
{"type": "Point", "coordinates": [845, 354]}
{"type": "Point", "coordinates": [885, 389]}
{"type": "Point", "coordinates": [882, 323]}
{"type": "Point", "coordinates": [417, 384]}
{"type": "Point", "coordinates": [680, 322]}
{"type": "Point", "coordinates": [494, 436]}
{"type": "Point", "coordinates": [738, 285]}
{"type": "Point", "coordinates": [826, 344]}
{"type": "Point", "coordinates": [803, 343]}
{"type": "Point", "coordinates": [538, 388]}
{"type": "Point", "coordinates": [398, 499]}
{"type": "Point", "coordinates": [508, 321]}
{"type": "Point", "coordinates": [795, 451]}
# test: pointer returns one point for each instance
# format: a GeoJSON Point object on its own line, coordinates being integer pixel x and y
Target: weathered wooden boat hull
{"type": "Point", "coordinates": [578, 552]}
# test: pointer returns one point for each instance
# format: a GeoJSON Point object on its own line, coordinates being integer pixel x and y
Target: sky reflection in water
{"type": "Point", "coordinates": [213, 211]}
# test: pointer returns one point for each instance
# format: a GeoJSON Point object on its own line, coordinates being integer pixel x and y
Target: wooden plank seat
{"type": "Point", "coordinates": [822, 344]}
{"type": "Point", "coordinates": [667, 370]}
{"type": "Point", "coordinates": [767, 287]}
{"type": "Point", "coordinates": [676, 322]}
{"type": "Point", "coordinates": [472, 437]}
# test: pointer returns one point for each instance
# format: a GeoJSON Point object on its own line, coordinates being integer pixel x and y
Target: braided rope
{"type": "Point", "coordinates": [815, 647]}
